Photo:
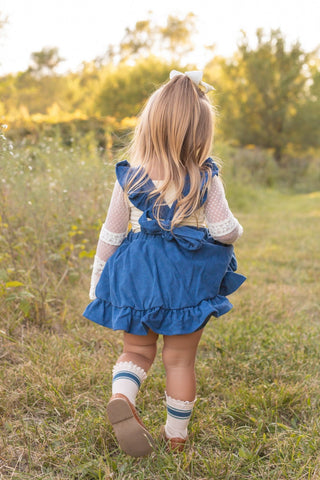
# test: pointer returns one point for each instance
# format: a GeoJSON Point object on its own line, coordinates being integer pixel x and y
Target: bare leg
{"type": "Point", "coordinates": [139, 349]}
{"type": "Point", "coordinates": [178, 354]}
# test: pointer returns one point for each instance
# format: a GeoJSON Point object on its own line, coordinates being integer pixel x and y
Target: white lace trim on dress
{"type": "Point", "coordinates": [110, 237]}
{"type": "Point", "coordinates": [97, 267]}
{"type": "Point", "coordinates": [219, 229]}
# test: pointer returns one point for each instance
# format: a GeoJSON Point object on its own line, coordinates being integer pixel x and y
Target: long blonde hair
{"type": "Point", "coordinates": [175, 129]}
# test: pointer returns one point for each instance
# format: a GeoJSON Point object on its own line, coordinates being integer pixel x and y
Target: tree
{"type": "Point", "coordinates": [126, 88]}
{"type": "Point", "coordinates": [38, 88]}
{"type": "Point", "coordinates": [137, 41]}
{"type": "Point", "coordinates": [306, 121]}
{"type": "Point", "coordinates": [45, 62]}
{"type": "Point", "coordinates": [147, 38]}
{"type": "Point", "coordinates": [177, 35]}
{"type": "Point", "coordinates": [263, 91]}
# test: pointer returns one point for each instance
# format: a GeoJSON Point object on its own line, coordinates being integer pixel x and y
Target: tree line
{"type": "Point", "coordinates": [267, 94]}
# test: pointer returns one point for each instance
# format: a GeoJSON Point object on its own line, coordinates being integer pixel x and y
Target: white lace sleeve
{"type": "Point", "coordinates": [222, 225]}
{"type": "Point", "coordinates": [112, 234]}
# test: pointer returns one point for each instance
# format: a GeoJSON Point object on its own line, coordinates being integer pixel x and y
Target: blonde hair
{"type": "Point", "coordinates": [175, 129]}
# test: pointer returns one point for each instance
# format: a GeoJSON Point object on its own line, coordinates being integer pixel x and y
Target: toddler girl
{"type": "Point", "coordinates": [174, 268]}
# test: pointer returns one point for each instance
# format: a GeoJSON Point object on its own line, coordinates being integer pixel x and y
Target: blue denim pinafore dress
{"type": "Point", "coordinates": [168, 280]}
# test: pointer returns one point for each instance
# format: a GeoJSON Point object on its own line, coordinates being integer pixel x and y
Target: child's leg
{"type": "Point", "coordinates": [132, 365]}
{"type": "Point", "coordinates": [128, 374]}
{"type": "Point", "coordinates": [179, 353]}
{"type": "Point", "coordinates": [139, 349]}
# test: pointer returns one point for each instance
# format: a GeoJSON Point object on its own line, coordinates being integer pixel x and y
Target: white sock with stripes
{"type": "Point", "coordinates": [178, 417]}
{"type": "Point", "coordinates": [127, 378]}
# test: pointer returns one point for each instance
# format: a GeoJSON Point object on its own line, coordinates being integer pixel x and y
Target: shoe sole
{"type": "Point", "coordinates": [133, 438]}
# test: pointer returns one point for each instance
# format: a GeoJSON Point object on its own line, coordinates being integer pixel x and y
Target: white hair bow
{"type": "Point", "coordinates": [195, 76]}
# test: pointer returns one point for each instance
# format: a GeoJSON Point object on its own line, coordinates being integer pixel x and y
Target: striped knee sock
{"type": "Point", "coordinates": [178, 416]}
{"type": "Point", "coordinates": [127, 378]}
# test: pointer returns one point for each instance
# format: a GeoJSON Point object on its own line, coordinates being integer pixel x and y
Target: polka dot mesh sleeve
{"type": "Point", "coordinates": [112, 234]}
{"type": "Point", "coordinates": [222, 225]}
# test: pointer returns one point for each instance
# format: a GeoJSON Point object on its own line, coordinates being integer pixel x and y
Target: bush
{"type": "Point", "coordinates": [300, 173]}
{"type": "Point", "coordinates": [257, 167]}
{"type": "Point", "coordinates": [253, 165]}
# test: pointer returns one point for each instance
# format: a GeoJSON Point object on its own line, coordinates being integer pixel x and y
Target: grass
{"type": "Point", "coordinates": [257, 413]}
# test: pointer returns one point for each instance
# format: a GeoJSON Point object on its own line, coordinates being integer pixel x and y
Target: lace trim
{"type": "Point", "coordinates": [182, 404]}
{"type": "Point", "coordinates": [92, 292]}
{"type": "Point", "coordinates": [98, 265]}
{"type": "Point", "coordinates": [110, 237]}
{"type": "Point", "coordinates": [220, 229]}
{"type": "Point", "coordinates": [131, 367]}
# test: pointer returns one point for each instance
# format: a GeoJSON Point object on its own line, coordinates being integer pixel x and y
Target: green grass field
{"type": "Point", "coordinates": [257, 413]}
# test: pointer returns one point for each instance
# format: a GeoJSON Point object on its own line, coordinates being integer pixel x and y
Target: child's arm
{"type": "Point", "coordinates": [222, 225]}
{"type": "Point", "coordinates": [113, 232]}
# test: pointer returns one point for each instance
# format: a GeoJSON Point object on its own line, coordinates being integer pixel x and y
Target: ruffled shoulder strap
{"type": "Point", "coordinates": [140, 197]}
{"type": "Point", "coordinates": [123, 172]}
{"type": "Point", "coordinates": [214, 171]}
{"type": "Point", "coordinates": [213, 166]}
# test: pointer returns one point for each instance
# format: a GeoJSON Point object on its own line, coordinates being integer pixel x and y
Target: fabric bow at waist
{"type": "Point", "coordinates": [187, 237]}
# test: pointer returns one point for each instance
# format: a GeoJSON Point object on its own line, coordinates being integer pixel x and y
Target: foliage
{"type": "Point", "coordinates": [45, 61]}
{"type": "Point", "coordinates": [266, 96]}
{"type": "Point", "coordinates": [147, 37]}
{"type": "Point", "coordinates": [306, 121]}
{"type": "Point", "coordinates": [126, 88]}
{"type": "Point", "coordinates": [43, 235]}
{"type": "Point", "coordinates": [177, 34]}
{"type": "Point", "coordinates": [253, 166]}
{"type": "Point", "coordinates": [270, 94]}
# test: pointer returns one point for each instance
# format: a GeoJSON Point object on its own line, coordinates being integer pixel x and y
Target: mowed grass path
{"type": "Point", "coordinates": [257, 414]}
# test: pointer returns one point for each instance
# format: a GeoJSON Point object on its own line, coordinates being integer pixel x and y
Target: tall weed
{"type": "Point", "coordinates": [51, 202]}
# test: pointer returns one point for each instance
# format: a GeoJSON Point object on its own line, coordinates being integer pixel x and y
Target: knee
{"type": "Point", "coordinates": [173, 358]}
{"type": "Point", "coordinates": [150, 352]}
{"type": "Point", "coordinates": [146, 352]}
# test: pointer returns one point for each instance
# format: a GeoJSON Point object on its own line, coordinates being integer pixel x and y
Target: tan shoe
{"type": "Point", "coordinates": [132, 435]}
{"type": "Point", "coordinates": [173, 444]}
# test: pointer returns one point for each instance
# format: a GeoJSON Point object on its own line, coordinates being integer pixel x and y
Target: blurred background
{"type": "Point", "coordinates": [75, 68]}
